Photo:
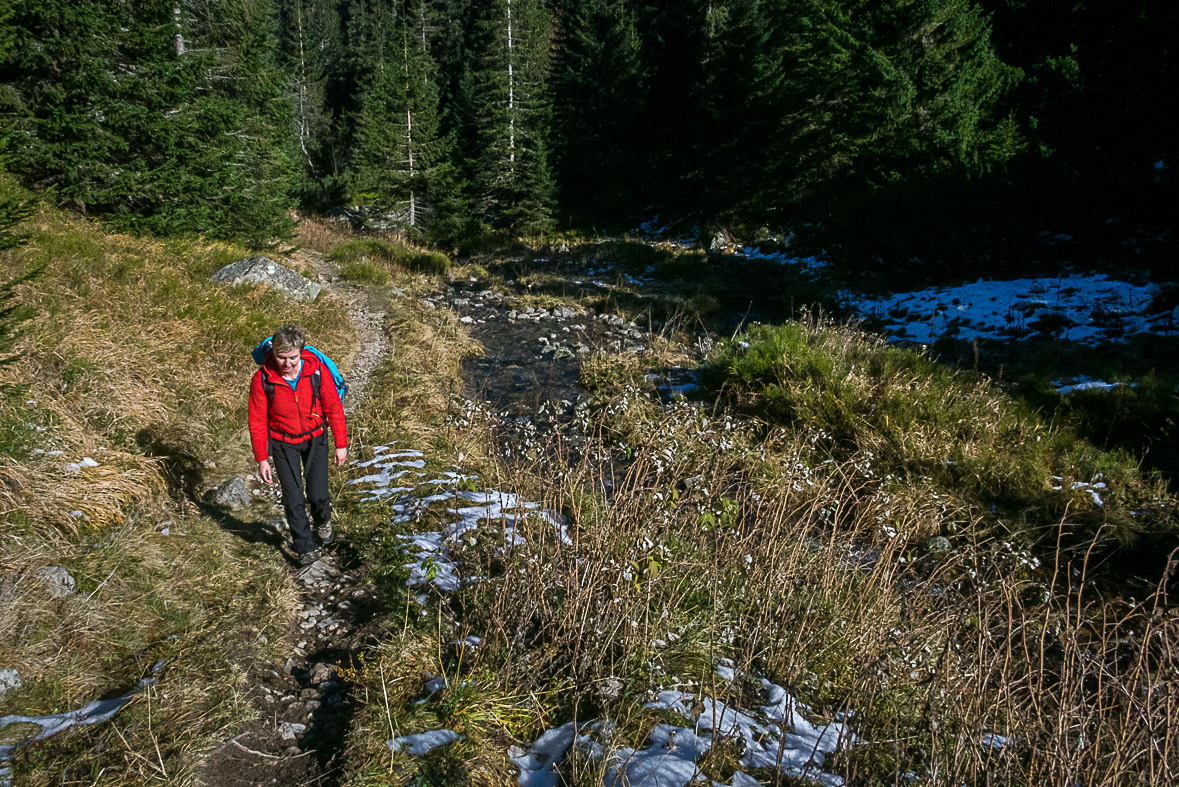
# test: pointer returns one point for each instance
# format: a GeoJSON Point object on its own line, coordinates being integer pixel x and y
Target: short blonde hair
{"type": "Point", "coordinates": [288, 337]}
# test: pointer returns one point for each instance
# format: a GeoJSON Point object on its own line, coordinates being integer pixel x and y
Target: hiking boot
{"type": "Point", "coordinates": [307, 558]}
{"type": "Point", "coordinates": [324, 533]}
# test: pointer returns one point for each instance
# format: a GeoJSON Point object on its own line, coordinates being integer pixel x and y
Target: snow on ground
{"type": "Point", "coordinates": [462, 511]}
{"type": "Point", "coordinates": [1064, 388]}
{"type": "Point", "coordinates": [538, 766]}
{"type": "Point", "coordinates": [95, 712]}
{"type": "Point", "coordinates": [1087, 309]}
{"type": "Point", "coordinates": [777, 735]}
{"type": "Point", "coordinates": [809, 264]}
{"type": "Point", "coordinates": [422, 742]}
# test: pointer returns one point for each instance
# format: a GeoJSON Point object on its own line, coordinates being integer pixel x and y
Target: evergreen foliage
{"type": "Point", "coordinates": [597, 86]}
{"type": "Point", "coordinates": [512, 177]}
{"type": "Point", "coordinates": [311, 52]}
{"type": "Point", "coordinates": [401, 167]}
{"type": "Point", "coordinates": [165, 122]}
{"type": "Point", "coordinates": [439, 115]}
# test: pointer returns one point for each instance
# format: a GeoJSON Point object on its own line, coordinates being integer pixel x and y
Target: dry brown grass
{"type": "Point", "coordinates": [719, 538]}
{"type": "Point", "coordinates": [140, 362]}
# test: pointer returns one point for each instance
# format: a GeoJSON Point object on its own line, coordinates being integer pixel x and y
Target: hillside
{"type": "Point", "coordinates": [578, 531]}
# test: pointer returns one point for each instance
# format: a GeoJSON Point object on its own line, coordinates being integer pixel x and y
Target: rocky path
{"type": "Point", "coordinates": [304, 707]}
{"type": "Point", "coordinates": [366, 311]}
{"type": "Point", "coordinates": [528, 380]}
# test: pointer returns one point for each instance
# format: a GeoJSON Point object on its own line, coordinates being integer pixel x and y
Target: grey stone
{"type": "Point", "coordinates": [321, 672]}
{"type": "Point", "coordinates": [611, 689]}
{"type": "Point", "coordinates": [232, 494]}
{"type": "Point", "coordinates": [263, 270]}
{"type": "Point", "coordinates": [61, 583]}
{"type": "Point", "coordinates": [291, 731]}
{"type": "Point", "coordinates": [9, 679]}
{"type": "Point", "coordinates": [938, 545]}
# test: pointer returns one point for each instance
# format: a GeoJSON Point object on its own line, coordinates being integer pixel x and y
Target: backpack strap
{"type": "Point", "coordinates": [316, 396]}
{"type": "Point", "coordinates": [316, 380]}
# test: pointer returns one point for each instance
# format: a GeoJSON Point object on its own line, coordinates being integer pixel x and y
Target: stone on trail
{"type": "Point", "coordinates": [61, 583]}
{"type": "Point", "coordinates": [232, 494]}
{"type": "Point", "coordinates": [263, 270]}
{"type": "Point", "coordinates": [321, 672]}
{"type": "Point", "coordinates": [290, 731]}
{"type": "Point", "coordinates": [9, 679]}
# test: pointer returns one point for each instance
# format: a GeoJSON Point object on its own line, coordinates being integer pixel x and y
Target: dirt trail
{"type": "Point", "coordinates": [366, 312]}
{"type": "Point", "coordinates": [304, 706]}
{"type": "Point", "coordinates": [529, 372]}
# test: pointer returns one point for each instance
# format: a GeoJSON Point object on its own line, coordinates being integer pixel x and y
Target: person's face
{"type": "Point", "coordinates": [287, 361]}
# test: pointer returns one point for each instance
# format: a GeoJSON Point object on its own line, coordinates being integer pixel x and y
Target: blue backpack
{"type": "Point", "coordinates": [260, 352]}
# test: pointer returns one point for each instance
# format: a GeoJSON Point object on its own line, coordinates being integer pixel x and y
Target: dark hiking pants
{"type": "Point", "coordinates": [294, 463]}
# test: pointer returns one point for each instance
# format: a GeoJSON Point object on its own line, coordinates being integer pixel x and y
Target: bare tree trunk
{"type": "Point", "coordinates": [179, 34]}
{"type": "Point", "coordinates": [511, 99]}
{"type": "Point", "coordinates": [302, 110]}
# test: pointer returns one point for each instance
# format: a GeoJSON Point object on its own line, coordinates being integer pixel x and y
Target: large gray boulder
{"type": "Point", "coordinates": [232, 494]}
{"type": "Point", "coordinates": [263, 270]}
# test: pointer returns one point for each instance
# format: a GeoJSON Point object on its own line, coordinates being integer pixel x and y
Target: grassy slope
{"type": "Point", "coordinates": [137, 360]}
{"type": "Point", "coordinates": [797, 550]}
{"type": "Point", "coordinates": [788, 526]}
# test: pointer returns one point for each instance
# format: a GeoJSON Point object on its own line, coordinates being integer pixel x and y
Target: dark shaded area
{"type": "Point", "coordinates": [181, 468]}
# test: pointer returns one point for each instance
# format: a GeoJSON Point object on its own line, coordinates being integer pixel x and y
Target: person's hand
{"type": "Point", "coordinates": [264, 471]}
{"type": "Point", "coordinates": [341, 455]}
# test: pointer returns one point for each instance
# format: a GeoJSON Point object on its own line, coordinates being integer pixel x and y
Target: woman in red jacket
{"type": "Point", "coordinates": [292, 402]}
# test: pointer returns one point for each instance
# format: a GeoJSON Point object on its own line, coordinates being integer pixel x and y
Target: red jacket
{"type": "Point", "coordinates": [292, 413]}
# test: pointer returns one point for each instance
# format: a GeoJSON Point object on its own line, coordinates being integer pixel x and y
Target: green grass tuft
{"type": "Point", "coordinates": [919, 419]}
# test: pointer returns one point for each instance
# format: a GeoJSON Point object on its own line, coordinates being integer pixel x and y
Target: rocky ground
{"type": "Point", "coordinates": [304, 706]}
{"type": "Point", "coordinates": [526, 380]}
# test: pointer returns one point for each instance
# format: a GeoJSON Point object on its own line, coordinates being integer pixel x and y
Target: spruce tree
{"type": "Point", "coordinates": [597, 85]}
{"type": "Point", "coordinates": [513, 182]}
{"type": "Point", "coordinates": [161, 117]}
{"type": "Point", "coordinates": [311, 53]}
{"type": "Point", "coordinates": [401, 161]}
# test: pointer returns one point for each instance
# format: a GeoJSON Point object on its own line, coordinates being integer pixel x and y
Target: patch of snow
{"type": "Point", "coordinates": [538, 766]}
{"type": "Point", "coordinates": [422, 742]}
{"type": "Point", "coordinates": [1085, 384]}
{"type": "Point", "coordinates": [809, 264]}
{"type": "Point", "coordinates": [1086, 309]}
{"type": "Point", "coordinates": [777, 736]}
{"type": "Point", "coordinates": [994, 741]}
{"type": "Point", "coordinates": [668, 760]}
{"type": "Point", "coordinates": [95, 712]}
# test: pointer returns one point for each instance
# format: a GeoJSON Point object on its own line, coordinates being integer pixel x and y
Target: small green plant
{"type": "Point", "coordinates": [365, 272]}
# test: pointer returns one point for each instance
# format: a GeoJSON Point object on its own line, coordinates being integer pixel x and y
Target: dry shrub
{"type": "Point", "coordinates": [715, 538]}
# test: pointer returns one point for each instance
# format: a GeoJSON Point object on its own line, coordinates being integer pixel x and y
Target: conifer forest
{"type": "Point", "coordinates": [728, 392]}
{"type": "Point", "coordinates": [902, 127]}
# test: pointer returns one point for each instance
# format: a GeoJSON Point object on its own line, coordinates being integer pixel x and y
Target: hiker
{"type": "Point", "coordinates": [292, 402]}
